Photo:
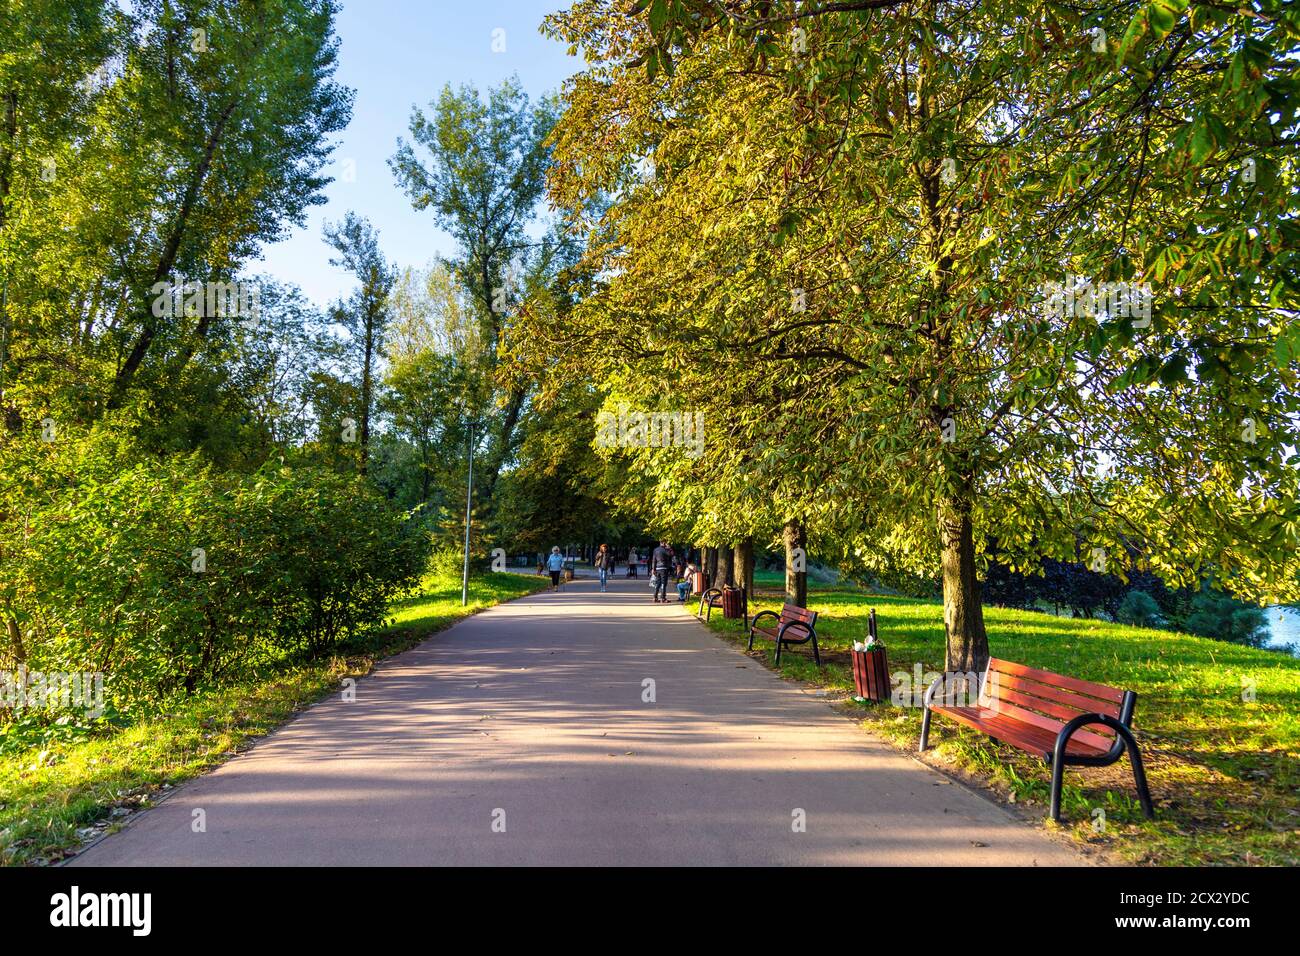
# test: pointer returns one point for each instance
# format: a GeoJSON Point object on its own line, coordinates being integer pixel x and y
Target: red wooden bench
{"type": "Point", "coordinates": [713, 598]}
{"type": "Point", "coordinates": [710, 598]}
{"type": "Point", "coordinates": [794, 625]}
{"type": "Point", "coordinates": [1063, 720]}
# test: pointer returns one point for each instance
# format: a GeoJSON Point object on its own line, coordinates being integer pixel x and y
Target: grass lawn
{"type": "Point", "coordinates": [1222, 766]}
{"type": "Point", "coordinates": [54, 798]}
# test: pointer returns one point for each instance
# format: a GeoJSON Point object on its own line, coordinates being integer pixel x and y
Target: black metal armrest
{"type": "Point", "coordinates": [706, 598]}
{"type": "Point", "coordinates": [1123, 734]}
{"type": "Point", "coordinates": [754, 620]}
{"type": "Point", "coordinates": [780, 634]}
{"type": "Point", "coordinates": [929, 693]}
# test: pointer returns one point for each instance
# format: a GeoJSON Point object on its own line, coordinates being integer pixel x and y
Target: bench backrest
{"type": "Point", "coordinates": [1050, 700]}
{"type": "Point", "coordinates": [794, 614]}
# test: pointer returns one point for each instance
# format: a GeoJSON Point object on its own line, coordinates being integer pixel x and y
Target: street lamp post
{"type": "Point", "coordinates": [469, 500]}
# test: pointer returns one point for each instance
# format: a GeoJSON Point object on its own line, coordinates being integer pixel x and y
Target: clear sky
{"type": "Point", "coordinates": [396, 54]}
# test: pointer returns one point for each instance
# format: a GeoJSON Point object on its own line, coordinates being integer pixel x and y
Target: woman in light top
{"type": "Point", "coordinates": [555, 564]}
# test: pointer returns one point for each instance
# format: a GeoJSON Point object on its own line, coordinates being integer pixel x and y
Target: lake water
{"type": "Point", "coordinates": [1284, 628]}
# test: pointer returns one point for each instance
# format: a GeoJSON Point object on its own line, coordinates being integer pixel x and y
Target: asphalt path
{"type": "Point", "coordinates": [575, 728]}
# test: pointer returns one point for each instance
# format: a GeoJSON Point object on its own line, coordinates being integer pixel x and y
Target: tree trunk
{"type": "Point", "coordinates": [710, 559]}
{"type": "Point", "coordinates": [166, 261]}
{"type": "Point", "coordinates": [744, 561]}
{"type": "Point", "coordinates": [492, 472]}
{"type": "Point", "coordinates": [16, 649]}
{"type": "Point", "coordinates": [726, 573]}
{"type": "Point", "coordinates": [963, 614]}
{"type": "Point", "coordinates": [367, 386]}
{"type": "Point", "coordinates": [796, 582]}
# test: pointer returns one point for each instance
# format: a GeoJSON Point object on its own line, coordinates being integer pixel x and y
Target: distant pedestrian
{"type": "Point", "coordinates": [555, 564]}
{"type": "Point", "coordinates": [633, 559]}
{"type": "Point", "coordinates": [661, 563]}
{"type": "Point", "coordinates": [604, 563]}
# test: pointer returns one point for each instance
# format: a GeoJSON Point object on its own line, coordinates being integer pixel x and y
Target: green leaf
{"type": "Point", "coordinates": [1287, 347]}
{"type": "Point", "coordinates": [658, 16]}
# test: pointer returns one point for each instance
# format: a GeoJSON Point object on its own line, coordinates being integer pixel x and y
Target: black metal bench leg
{"type": "Point", "coordinates": [925, 729]}
{"type": "Point", "coordinates": [751, 639]}
{"type": "Point", "coordinates": [1058, 772]}
{"type": "Point", "coordinates": [1139, 777]}
{"type": "Point", "coordinates": [817, 655]}
{"type": "Point", "coordinates": [778, 652]}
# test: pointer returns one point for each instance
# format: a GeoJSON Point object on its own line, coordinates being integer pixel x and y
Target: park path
{"type": "Point", "coordinates": [529, 717]}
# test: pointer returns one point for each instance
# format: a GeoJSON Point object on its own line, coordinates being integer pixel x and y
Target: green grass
{"type": "Point", "coordinates": [1223, 770]}
{"type": "Point", "coordinates": [53, 799]}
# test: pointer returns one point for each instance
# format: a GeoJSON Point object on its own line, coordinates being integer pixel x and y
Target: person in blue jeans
{"type": "Point", "coordinates": [604, 563]}
{"type": "Point", "coordinates": [684, 585]}
{"type": "Point", "coordinates": [555, 564]}
{"type": "Point", "coordinates": [661, 561]}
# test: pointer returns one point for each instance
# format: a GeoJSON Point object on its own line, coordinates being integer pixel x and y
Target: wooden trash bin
{"type": "Point", "coordinates": [733, 602]}
{"type": "Point", "coordinates": [871, 674]}
{"type": "Point", "coordinates": [871, 667]}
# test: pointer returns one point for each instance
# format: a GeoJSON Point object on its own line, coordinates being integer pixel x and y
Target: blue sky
{"type": "Point", "coordinates": [396, 54]}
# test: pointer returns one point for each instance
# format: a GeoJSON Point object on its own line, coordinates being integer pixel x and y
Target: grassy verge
{"type": "Point", "coordinates": [1218, 724]}
{"type": "Point", "coordinates": [54, 799]}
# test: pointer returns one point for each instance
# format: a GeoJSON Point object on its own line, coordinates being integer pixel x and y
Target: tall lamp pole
{"type": "Point", "coordinates": [469, 499]}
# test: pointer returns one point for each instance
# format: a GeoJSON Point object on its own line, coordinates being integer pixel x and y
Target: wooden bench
{"type": "Point", "coordinates": [794, 625]}
{"type": "Point", "coordinates": [712, 598]}
{"type": "Point", "coordinates": [1046, 714]}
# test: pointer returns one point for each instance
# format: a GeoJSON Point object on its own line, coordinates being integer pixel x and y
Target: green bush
{"type": "Point", "coordinates": [447, 564]}
{"type": "Point", "coordinates": [1224, 618]}
{"type": "Point", "coordinates": [339, 552]}
{"type": "Point", "coordinates": [1139, 609]}
{"type": "Point", "coordinates": [167, 576]}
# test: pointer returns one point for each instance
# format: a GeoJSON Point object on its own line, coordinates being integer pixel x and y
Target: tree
{"type": "Point", "coordinates": [1217, 615]}
{"type": "Point", "coordinates": [250, 86]}
{"type": "Point", "coordinates": [365, 314]}
{"type": "Point", "coordinates": [857, 227]}
{"type": "Point", "coordinates": [483, 178]}
{"type": "Point", "coordinates": [1139, 609]}
{"type": "Point", "coordinates": [49, 52]}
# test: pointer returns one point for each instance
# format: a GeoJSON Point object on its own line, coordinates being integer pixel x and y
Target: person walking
{"type": "Point", "coordinates": [661, 561]}
{"type": "Point", "coordinates": [555, 564]}
{"type": "Point", "coordinates": [604, 564]}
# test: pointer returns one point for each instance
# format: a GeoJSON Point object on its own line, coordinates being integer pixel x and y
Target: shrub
{"type": "Point", "coordinates": [167, 576]}
{"type": "Point", "coordinates": [1139, 609]}
{"type": "Point", "coordinates": [447, 564]}
{"type": "Point", "coordinates": [339, 552]}
{"type": "Point", "coordinates": [1224, 618]}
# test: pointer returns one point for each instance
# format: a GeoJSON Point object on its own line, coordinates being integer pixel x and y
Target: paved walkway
{"type": "Point", "coordinates": [529, 717]}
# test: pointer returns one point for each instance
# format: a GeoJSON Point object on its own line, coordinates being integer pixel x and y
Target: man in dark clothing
{"type": "Point", "coordinates": [662, 563]}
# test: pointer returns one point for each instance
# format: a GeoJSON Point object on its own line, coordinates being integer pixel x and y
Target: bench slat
{"type": "Point", "coordinates": [1053, 727]}
{"type": "Point", "coordinates": [1083, 705]}
{"type": "Point", "coordinates": [1102, 691]}
{"type": "Point", "coordinates": [1055, 714]}
{"type": "Point", "coordinates": [792, 612]}
{"type": "Point", "coordinates": [1026, 737]}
